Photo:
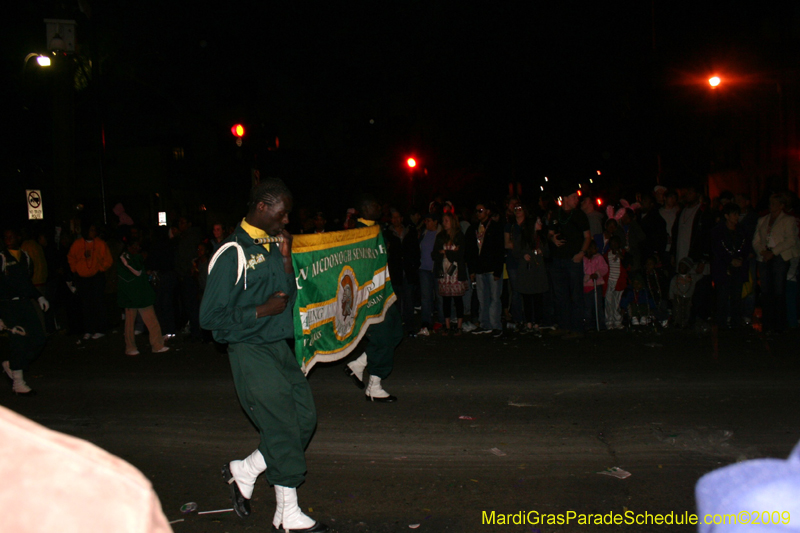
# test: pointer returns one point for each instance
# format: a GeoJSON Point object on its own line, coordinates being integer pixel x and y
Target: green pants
{"type": "Point", "coordinates": [277, 398]}
{"type": "Point", "coordinates": [382, 339]}
{"type": "Point", "coordinates": [24, 349]}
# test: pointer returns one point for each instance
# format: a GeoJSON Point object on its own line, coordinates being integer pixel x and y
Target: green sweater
{"type": "Point", "coordinates": [229, 310]}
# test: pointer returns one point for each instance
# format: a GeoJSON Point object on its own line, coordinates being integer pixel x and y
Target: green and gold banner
{"type": "Point", "coordinates": [343, 287]}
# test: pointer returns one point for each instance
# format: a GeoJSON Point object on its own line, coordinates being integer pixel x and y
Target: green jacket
{"type": "Point", "coordinates": [229, 309]}
{"type": "Point", "coordinates": [15, 277]}
{"type": "Point", "coordinates": [134, 292]}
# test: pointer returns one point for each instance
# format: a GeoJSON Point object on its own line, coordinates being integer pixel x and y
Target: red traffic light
{"type": "Point", "coordinates": [238, 131]}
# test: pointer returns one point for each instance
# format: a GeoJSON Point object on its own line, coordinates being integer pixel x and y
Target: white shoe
{"type": "Point", "coordinates": [634, 321]}
{"type": "Point", "coordinates": [162, 350]}
{"type": "Point", "coordinates": [19, 386]}
{"type": "Point", "coordinates": [87, 336]}
{"type": "Point", "coordinates": [358, 365]}
{"type": "Point", "coordinates": [246, 472]}
{"type": "Point", "coordinates": [645, 321]}
{"type": "Point", "coordinates": [424, 332]}
{"type": "Point", "coordinates": [98, 336]}
{"type": "Point", "coordinates": [292, 518]}
{"type": "Point", "coordinates": [375, 392]}
{"type": "Point", "coordinates": [468, 327]}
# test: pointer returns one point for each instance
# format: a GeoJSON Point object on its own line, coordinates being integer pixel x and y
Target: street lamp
{"type": "Point", "coordinates": [42, 60]}
{"type": "Point", "coordinates": [714, 81]}
{"type": "Point", "coordinates": [411, 167]}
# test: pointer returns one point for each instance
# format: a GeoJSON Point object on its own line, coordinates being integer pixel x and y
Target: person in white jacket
{"type": "Point", "coordinates": [775, 243]}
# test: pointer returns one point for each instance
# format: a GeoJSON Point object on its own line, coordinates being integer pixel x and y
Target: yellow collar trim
{"type": "Point", "coordinates": [366, 222]}
{"type": "Point", "coordinates": [255, 233]}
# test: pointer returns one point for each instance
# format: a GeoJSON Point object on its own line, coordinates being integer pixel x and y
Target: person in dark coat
{"type": "Point", "coordinates": [161, 262]}
{"type": "Point", "coordinates": [729, 266]}
{"type": "Point", "coordinates": [403, 258]}
{"type": "Point", "coordinates": [532, 275]}
{"type": "Point", "coordinates": [485, 255]}
{"type": "Point", "coordinates": [569, 234]}
{"type": "Point", "coordinates": [692, 239]}
{"type": "Point", "coordinates": [655, 229]}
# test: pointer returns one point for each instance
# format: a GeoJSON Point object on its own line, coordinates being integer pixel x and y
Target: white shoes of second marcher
{"type": "Point", "coordinates": [357, 366]}
{"type": "Point", "coordinates": [292, 518]}
{"type": "Point", "coordinates": [375, 392]}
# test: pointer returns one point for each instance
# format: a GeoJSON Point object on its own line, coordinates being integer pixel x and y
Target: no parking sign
{"type": "Point", "coordinates": [34, 199]}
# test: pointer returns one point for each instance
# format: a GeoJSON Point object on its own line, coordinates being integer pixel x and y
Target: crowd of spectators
{"type": "Point", "coordinates": [571, 264]}
{"type": "Point", "coordinates": [577, 263]}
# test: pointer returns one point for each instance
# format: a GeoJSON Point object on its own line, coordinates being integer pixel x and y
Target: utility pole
{"type": "Point", "coordinates": [60, 36]}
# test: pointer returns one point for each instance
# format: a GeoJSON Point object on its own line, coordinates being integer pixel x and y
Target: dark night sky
{"type": "Point", "coordinates": [497, 92]}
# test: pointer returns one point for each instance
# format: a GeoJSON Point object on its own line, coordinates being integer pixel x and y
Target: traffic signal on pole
{"type": "Point", "coordinates": [238, 132]}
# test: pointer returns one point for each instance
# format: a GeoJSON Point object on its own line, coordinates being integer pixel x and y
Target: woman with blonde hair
{"type": "Point", "coordinates": [449, 266]}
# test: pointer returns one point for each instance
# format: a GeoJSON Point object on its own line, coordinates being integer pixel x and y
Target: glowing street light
{"type": "Point", "coordinates": [411, 162]}
{"type": "Point", "coordinates": [41, 59]}
{"type": "Point", "coordinates": [714, 81]}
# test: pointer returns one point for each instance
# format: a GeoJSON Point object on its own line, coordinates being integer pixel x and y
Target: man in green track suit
{"type": "Point", "coordinates": [381, 338]}
{"type": "Point", "coordinates": [17, 313]}
{"type": "Point", "coordinates": [248, 304]}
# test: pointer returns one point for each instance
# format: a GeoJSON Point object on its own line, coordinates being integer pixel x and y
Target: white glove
{"type": "Point", "coordinates": [71, 287]}
{"type": "Point", "coordinates": [43, 303]}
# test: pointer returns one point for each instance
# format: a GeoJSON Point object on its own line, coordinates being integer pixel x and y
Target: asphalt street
{"type": "Point", "coordinates": [508, 425]}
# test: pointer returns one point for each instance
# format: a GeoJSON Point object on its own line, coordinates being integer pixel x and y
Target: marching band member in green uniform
{"type": "Point", "coordinates": [382, 338]}
{"type": "Point", "coordinates": [254, 316]}
{"type": "Point", "coordinates": [27, 338]}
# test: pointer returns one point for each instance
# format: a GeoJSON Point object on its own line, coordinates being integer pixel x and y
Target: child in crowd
{"type": "Point", "coordinates": [656, 283]}
{"type": "Point", "coordinates": [637, 302]}
{"type": "Point", "coordinates": [616, 281]}
{"type": "Point", "coordinates": [603, 240]}
{"type": "Point", "coordinates": [681, 290]}
{"type": "Point", "coordinates": [595, 270]}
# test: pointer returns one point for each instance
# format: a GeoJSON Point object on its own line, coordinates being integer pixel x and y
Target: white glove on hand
{"type": "Point", "coordinates": [71, 287]}
{"type": "Point", "coordinates": [43, 303]}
